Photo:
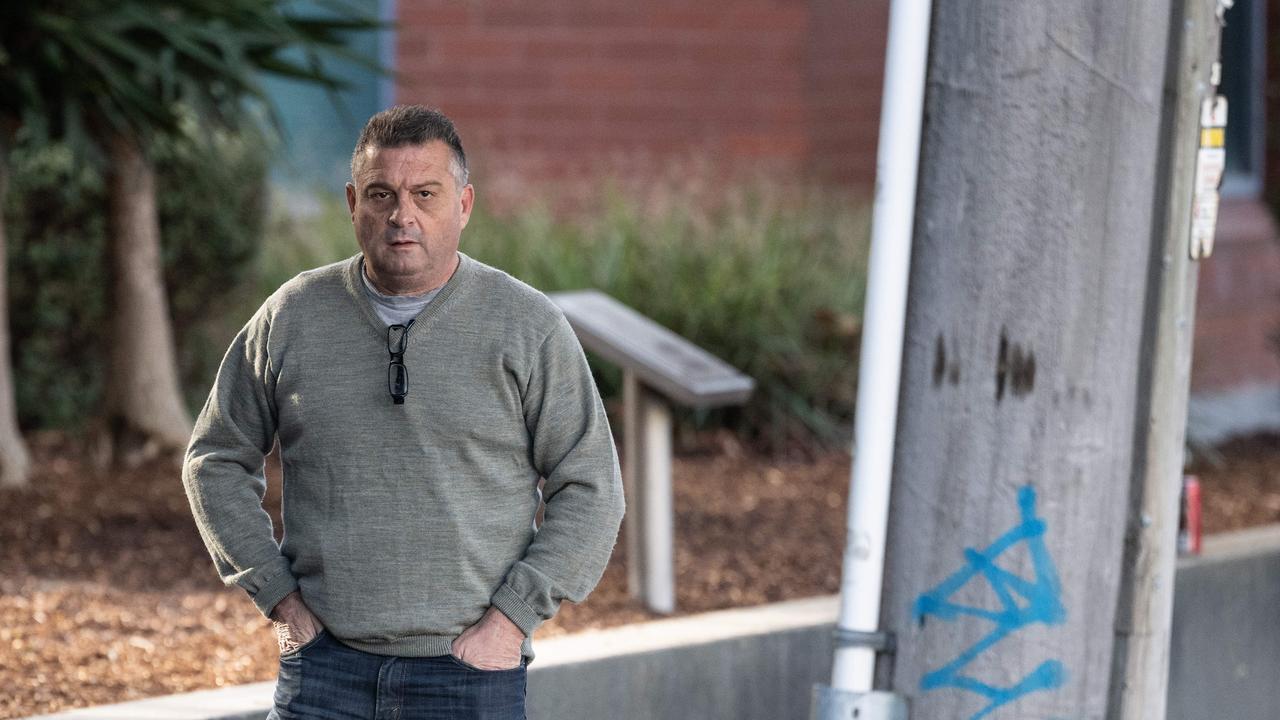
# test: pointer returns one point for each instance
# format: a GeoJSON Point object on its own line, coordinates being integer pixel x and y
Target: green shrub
{"type": "Point", "coordinates": [58, 281]}
{"type": "Point", "coordinates": [209, 195]}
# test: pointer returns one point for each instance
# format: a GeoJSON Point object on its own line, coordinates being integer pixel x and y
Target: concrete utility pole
{"type": "Point", "coordinates": [1028, 384]}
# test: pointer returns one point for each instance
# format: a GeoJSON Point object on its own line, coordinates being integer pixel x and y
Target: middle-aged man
{"type": "Point", "coordinates": [417, 395]}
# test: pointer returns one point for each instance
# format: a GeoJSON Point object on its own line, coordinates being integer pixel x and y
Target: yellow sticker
{"type": "Point", "coordinates": [1213, 137]}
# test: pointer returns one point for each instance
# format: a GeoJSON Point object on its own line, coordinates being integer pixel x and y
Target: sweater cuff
{"type": "Point", "coordinates": [272, 591]}
{"type": "Point", "coordinates": [515, 608]}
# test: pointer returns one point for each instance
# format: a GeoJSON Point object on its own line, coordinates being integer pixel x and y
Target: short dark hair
{"type": "Point", "coordinates": [410, 125]}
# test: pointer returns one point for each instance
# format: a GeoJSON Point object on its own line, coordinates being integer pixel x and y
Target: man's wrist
{"type": "Point", "coordinates": [285, 603]}
{"type": "Point", "coordinates": [496, 616]}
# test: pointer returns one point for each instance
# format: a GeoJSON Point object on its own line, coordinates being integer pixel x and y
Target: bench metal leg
{"type": "Point", "coordinates": [650, 519]}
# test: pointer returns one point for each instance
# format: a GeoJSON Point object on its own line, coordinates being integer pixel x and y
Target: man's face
{"type": "Point", "coordinates": [408, 213]}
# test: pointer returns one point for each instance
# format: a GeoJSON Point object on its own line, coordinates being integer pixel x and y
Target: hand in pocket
{"type": "Point", "coordinates": [294, 623]}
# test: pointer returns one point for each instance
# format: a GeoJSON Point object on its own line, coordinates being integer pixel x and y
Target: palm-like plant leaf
{"type": "Point", "coordinates": [91, 66]}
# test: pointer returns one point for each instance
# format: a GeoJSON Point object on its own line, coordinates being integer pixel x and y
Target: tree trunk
{"type": "Point", "coordinates": [15, 462]}
{"type": "Point", "coordinates": [143, 397]}
{"type": "Point", "coordinates": [1020, 423]}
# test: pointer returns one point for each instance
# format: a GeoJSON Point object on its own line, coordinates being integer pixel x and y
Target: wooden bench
{"type": "Point", "coordinates": [659, 369]}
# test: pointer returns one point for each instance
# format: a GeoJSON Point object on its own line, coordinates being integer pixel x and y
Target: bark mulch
{"type": "Point", "coordinates": [1240, 483]}
{"type": "Point", "coordinates": [107, 593]}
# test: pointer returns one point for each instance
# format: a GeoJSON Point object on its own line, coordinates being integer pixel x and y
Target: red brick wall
{"type": "Point", "coordinates": [845, 74]}
{"type": "Point", "coordinates": [571, 88]}
{"type": "Point", "coordinates": [1238, 302]}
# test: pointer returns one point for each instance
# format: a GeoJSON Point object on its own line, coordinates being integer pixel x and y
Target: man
{"type": "Point", "coordinates": [417, 396]}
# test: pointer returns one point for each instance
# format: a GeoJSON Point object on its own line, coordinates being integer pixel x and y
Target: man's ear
{"type": "Point", "coordinates": [351, 200]}
{"type": "Point", "coordinates": [468, 201]}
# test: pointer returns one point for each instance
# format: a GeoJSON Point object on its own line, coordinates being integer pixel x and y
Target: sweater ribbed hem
{"type": "Point", "coordinates": [416, 646]}
{"type": "Point", "coordinates": [419, 646]}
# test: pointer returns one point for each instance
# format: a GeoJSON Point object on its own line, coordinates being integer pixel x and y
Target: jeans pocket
{"type": "Point", "coordinates": [464, 664]}
{"type": "Point", "coordinates": [297, 652]}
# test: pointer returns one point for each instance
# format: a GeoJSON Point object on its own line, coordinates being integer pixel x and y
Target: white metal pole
{"type": "Point", "coordinates": [646, 474]}
{"type": "Point", "coordinates": [659, 509]}
{"type": "Point", "coordinates": [879, 368]}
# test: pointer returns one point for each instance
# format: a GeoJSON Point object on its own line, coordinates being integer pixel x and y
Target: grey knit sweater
{"type": "Point", "coordinates": [404, 523]}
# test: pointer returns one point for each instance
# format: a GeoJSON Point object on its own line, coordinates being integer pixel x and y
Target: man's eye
{"type": "Point", "coordinates": [379, 195]}
{"type": "Point", "coordinates": [425, 193]}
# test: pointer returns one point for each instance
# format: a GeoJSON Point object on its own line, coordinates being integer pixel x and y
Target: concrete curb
{"type": "Point", "coordinates": [239, 702]}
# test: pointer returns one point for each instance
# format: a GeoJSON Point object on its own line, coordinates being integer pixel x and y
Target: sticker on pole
{"type": "Point", "coordinates": [1211, 161]}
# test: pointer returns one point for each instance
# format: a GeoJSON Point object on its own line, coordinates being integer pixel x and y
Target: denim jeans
{"type": "Point", "coordinates": [327, 680]}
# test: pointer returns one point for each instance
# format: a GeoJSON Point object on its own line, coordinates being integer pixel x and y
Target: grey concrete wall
{"type": "Point", "coordinates": [760, 676]}
{"type": "Point", "coordinates": [744, 664]}
{"type": "Point", "coordinates": [1215, 416]}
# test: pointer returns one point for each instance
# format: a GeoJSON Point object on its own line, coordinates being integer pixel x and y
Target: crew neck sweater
{"type": "Point", "coordinates": [404, 523]}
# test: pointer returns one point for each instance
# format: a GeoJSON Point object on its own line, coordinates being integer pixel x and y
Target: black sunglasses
{"type": "Point", "coordinates": [397, 373]}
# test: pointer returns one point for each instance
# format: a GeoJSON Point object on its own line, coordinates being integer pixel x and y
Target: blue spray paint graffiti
{"type": "Point", "coordinates": [1038, 601]}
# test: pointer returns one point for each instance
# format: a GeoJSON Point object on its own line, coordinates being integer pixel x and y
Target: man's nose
{"type": "Point", "coordinates": [403, 213]}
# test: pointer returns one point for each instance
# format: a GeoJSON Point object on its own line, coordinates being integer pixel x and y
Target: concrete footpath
{"type": "Point", "coordinates": [761, 663]}
{"type": "Point", "coordinates": [1224, 657]}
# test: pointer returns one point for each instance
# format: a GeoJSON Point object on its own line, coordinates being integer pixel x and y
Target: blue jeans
{"type": "Point", "coordinates": [327, 680]}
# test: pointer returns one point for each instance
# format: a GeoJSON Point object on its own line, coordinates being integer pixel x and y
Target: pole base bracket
{"type": "Point", "coordinates": [832, 704]}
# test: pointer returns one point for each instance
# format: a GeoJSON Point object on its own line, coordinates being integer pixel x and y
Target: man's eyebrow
{"type": "Point", "coordinates": [427, 183]}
